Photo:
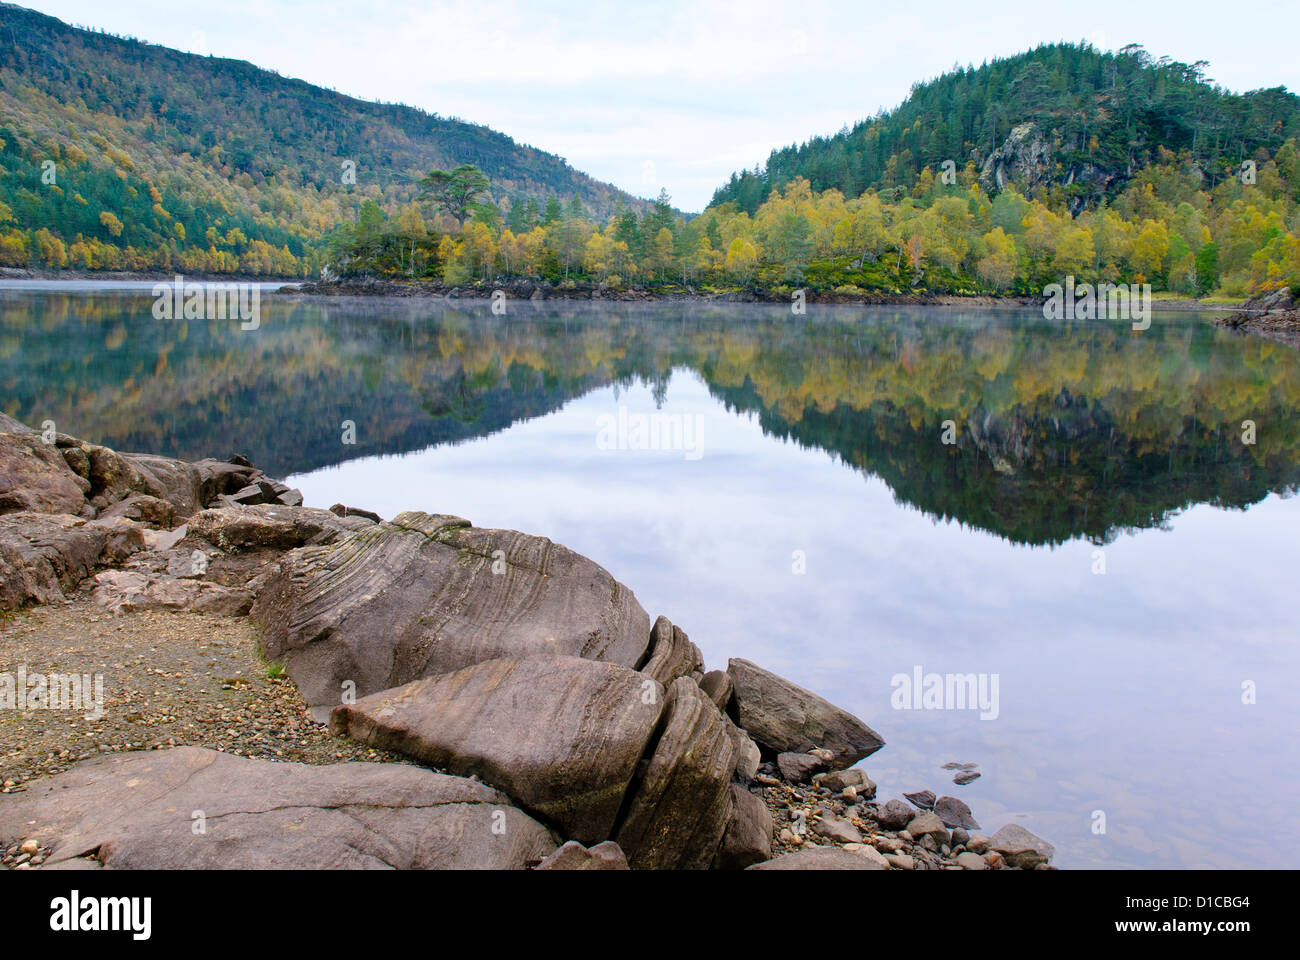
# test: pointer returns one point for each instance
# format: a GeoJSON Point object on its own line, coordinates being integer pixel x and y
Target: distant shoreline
{"type": "Point", "coordinates": [530, 290]}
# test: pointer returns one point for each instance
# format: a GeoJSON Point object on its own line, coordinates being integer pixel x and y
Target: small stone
{"type": "Point", "coordinates": [971, 861]}
{"type": "Point", "coordinates": [1020, 847]}
{"type": "Point", "coordinates": [978, 843]}
{"type": "Point", "coordinates": [850, 794]}
{"type": "Point", "coordinates": [967, 777]}
{"type": "Point", "coordinates": [29, 847]}
{"type": "Point", "coordinates": [838, 780]}
{"type": "Point", "coordinates": [894, 815]}
{"type": "Point", "coordinates": [929, 825]}
{"type": "Point", "coordinates": [900, 860]}
{"type": "Point", "coordinates": [960, 837]}
{"type": "Point", "coordinates": [922, 799]}
{"type": "Point", "coordinates": [837, 828]}
{"type": "Point", "coordinates": [871, 854]}
{"type": "Point", "coordinates": [955, 813]}
{"type": "Point", "coordinates": [799, 767]}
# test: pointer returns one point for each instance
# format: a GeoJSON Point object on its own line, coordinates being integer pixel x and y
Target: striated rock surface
{"type": "Point", "coordinates": [428, 594]}
{"type": "Point", "coordinates": [672, 654]}
{"type": "Point", "coordinates": [561, 735]}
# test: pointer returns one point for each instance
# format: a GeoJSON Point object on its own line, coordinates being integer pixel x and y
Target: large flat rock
{"type": "Point", "coordinates": [427, 594]}
{"type": "Point", "coordinates": [195, 809]}
{"type": "Point", "coordinates": [561, 735]}
{"type": "Point", "coordinates": [783, 717]}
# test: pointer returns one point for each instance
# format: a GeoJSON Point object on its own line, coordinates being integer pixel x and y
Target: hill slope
{"type": "Point", "coordinates": [158, 153]}
{"type": "Point", "coordinates": [1065, 118]}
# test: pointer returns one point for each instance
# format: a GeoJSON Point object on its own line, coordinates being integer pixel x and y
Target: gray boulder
{"type": "Point", "coordinates": [784, 717]}
{"type": "Point", "coordinates": [748, 837]}
{"type": "Point", "coordinates": [928, 824]}
{"type": "Point", "coordinates": [955, 813]}
{"type": "Point", "coordinates": [561, 735]}
{"type": "Point", "coordinates": [194, 809]}
{"type": "Point", "coordinates": [894, 815]}
{"type": "Point", "coordinates": [922, 799]}
{"type": "Point", "coordinates": [269, 526]}
{"type": "Point", "coordinates": [1021, 848]}
{"type": "Point", "coordinates": [679, 810]}
{"type": "Point", "coordinates": [837, 828]}
{"type": "Point", "coordinates": [798, 767]}
{"type": "Point", "coordinates": [717, 686]}
{"type": "Point", "coordinates": [424, 594]}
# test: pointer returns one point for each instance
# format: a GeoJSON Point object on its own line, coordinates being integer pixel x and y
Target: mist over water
{"type": "Point", "coordinates": [812, 519]}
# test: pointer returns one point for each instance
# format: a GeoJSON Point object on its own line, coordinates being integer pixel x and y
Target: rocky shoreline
{"type": "Point", "coordinates": [1274, 316]}
{"type": "Point", "coordinates": [524, 710]}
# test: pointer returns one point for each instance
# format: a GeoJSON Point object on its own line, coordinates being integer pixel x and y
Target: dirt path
{"type": "Point", "coordinates": [170, 678]}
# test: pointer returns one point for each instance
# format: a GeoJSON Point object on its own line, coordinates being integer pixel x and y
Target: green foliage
{"type": "Point", "coordinates": [1109, 112]}
{"type": "Point", "coordinates": [163, 160]}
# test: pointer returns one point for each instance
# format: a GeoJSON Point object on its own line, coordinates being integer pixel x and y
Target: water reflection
{"type": "Point", "coordinates": [1058, 430]}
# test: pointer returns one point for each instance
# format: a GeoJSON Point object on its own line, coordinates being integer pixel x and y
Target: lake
{"type": "Point", "coordinates": [1074, 514]}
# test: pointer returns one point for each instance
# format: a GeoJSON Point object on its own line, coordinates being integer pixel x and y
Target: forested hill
{"type": "Point", "coordinates": [1076, 122]}
{"type": "Point", "coordinates": [155, 149]}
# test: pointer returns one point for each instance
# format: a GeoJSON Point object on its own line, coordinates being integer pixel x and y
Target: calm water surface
{"type": "Point", "coordinates": [810, 516]}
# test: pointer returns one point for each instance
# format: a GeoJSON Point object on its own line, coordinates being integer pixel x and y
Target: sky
{"type": "Point", "coordinates": [677, 95]}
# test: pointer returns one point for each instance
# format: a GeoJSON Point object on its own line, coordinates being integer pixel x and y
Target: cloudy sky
{"type": "Point", "coordinates": [677, 94]}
